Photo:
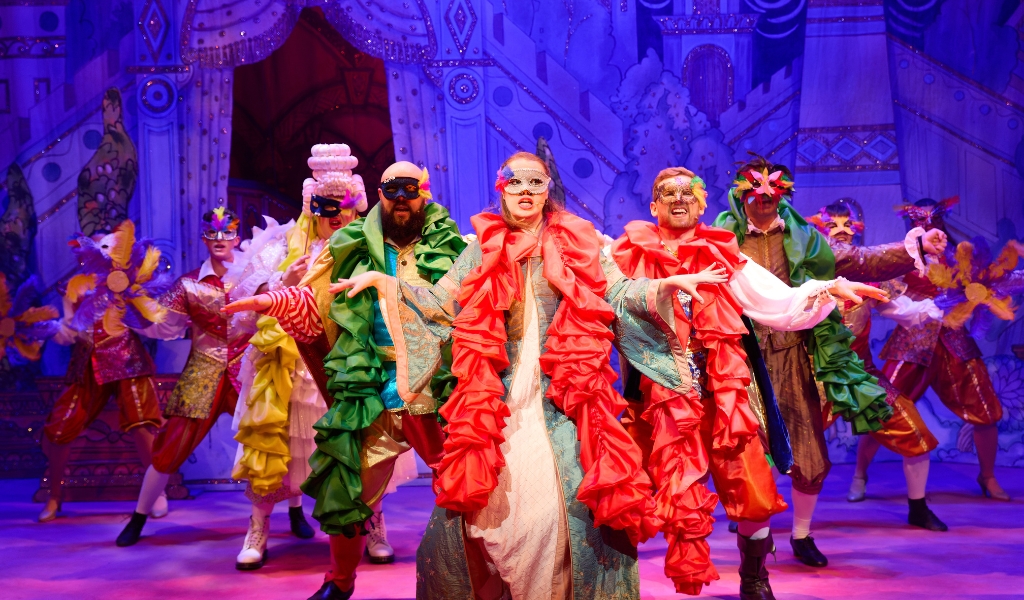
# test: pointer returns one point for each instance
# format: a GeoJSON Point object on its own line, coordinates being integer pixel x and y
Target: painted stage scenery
{"type": "Point", "coordinates": [512, 300]}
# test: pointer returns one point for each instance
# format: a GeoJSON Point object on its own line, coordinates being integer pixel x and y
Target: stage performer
{"type": "Point", "coordinates": [281, 401]}
{"type": "Point", "coordinates": [100, 307]}
{"type": "Point", "coordinates": [208, 385]}
{"type": "Point", "coordinates": [713, 426]}
{"type": "Point", "coordinates": [377, 413]}
{"type": "Point", "coordinates": [541, 493]}
{"type": "Point", "coordinates": [906, 432]}
{"type": "Point", "coordinates": [947, 360]}
{"type": "Point", "coordinates": [772, 234]}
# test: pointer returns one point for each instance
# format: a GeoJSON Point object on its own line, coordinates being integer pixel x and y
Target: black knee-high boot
{"type": "Point", "coordinates": [753, 572]}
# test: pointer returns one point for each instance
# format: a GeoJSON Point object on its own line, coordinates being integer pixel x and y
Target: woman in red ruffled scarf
{"type": "Point", "coordinates": [710, 427]}
{"type": "Point", "coordinates": [542, 493]}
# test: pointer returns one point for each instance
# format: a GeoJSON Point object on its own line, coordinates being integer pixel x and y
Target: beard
{"type": "Point", "coordinates": [403, 233]}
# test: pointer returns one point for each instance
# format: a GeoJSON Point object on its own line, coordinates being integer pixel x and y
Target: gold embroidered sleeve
{"type": "Point", "coordinates": [642, 335]}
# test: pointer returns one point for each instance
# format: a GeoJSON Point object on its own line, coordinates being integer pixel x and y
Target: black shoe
{"type": "Point", "coordinates": [806, 552]}
{"type": "Point", "coordinates": [753, 573]}
{"type": "Point", "coordinates": [132, 531]}
{"type": "Point", "coordinates": [734, 527]}
{"type": "Point", "coordinates": [330, 591]}
{"type": "Point", "coordinates": [922, 516]}
{"type": "Point", "coordinates": [300, 527]}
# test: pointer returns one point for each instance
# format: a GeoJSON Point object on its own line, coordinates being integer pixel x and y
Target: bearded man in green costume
{"type": "Point", "coordinates": [377, 412]}
{"type": "Point", "coordinates": [772, 234]}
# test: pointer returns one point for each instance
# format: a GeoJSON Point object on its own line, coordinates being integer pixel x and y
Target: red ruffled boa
{"type": "Point", "coordinates": [614, 487]}
{"type": "Point", "coordinates": [679, 458]}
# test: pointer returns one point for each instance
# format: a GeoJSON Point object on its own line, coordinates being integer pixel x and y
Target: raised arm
{"type": "Point", "coordinates": [886, 261]}
{"type": "Point", "coordinates": [419, 319]}
{"type": "Point", "coordinates": [643, 328]}
{"type": "Point", "coordinates": [767, 300]}
{"type": "Point", "coordinates": [175, 324]}
{"type": "Point", "coordinates": [300, 309]}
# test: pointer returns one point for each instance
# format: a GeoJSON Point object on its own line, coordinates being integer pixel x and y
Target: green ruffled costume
{"type": "Point", "coordinates": [855, 395]}
{"type": "Point", "coordinates": [354, 368]}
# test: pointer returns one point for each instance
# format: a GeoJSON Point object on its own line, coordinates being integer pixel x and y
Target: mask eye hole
{"type": "Point", "coordinates": [412, 189]}
{"type": "Point", "coordinates": [536, 182]}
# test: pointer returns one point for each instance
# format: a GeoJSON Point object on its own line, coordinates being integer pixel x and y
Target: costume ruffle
{"type": "Point", "coordinates": [678, 461]}
{"type": "Point", "coordinates": [854, 394]}
{"type": "Point", "coordinates": [614, 486]}
{"type": "Point", "coordinates": [263, 428]}
{"type": "Point", "coordinates": [354, 369]}
{"type": "Point", "coordinates": [679, 458]}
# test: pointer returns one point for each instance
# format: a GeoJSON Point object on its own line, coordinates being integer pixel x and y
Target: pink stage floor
{"type": "Point", "coordinates": [190, 553]}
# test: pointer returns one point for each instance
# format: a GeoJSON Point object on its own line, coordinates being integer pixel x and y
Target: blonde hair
{"type": "Point", "coordinates": [696, 184]}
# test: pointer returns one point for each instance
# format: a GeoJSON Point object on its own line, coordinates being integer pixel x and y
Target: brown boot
{"type": "Point", "coordinates": [753, 573]}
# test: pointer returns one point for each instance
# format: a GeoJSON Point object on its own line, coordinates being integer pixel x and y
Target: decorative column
{"type": "Point", "coordinates": [846, 144]}
{"type": "Point", "coordinates": [159, 76]}
{"type": "Point", "coordinates": [464, 90]}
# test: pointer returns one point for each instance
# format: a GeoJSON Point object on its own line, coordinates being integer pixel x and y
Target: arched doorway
{"type": "Point", "coordinates": [707, 73]}
{"type": "Point", "coordinates": [316, 88]}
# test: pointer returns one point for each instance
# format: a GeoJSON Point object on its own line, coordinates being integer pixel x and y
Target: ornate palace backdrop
{"type": "Point", "coordinates": [878, 100]}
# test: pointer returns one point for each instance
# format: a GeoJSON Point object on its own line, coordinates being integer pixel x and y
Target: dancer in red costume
{"type": "Point", "coordinates": [906, 432]}
{"type": "Point", "coordinates": [208, 386]}
{"type": "Point", "coordinates": [108, 356]}
{"type": "Point", "coordinates": [946, 359]}
{"type": "Point", "coordinates": [711, 428]}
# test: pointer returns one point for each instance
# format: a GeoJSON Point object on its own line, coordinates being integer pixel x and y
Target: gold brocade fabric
{"type": "Point", "coordinates": [193, 395]}
{"type": "Point", "coordinates": [383, 442]}
{"type": "Point", "coordinates": [790, 370]}
{"type": "Point", "coordinates": [263, 430]}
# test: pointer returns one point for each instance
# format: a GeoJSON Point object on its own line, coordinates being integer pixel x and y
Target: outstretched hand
{"type": "Point", "coordinates": [358, 283]}
{"type": "Point", "coordinates": [689, 283]}
{"type": "Point", "coordinates": [856, 292]}
{"type": "Point", "coordinates": [258, 304]}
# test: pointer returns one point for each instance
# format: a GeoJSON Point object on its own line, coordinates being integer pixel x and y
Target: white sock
{"type": "Point", "coordinates": [803, 512]}
{"type": "Point", "coordinates": [153, 485]}
{"type": "Point", "coordinates": [755, 530]}
{"type": "Point", "coordinates": [295, 502]}
{"type": "Point", "coordinates": [915, 469]}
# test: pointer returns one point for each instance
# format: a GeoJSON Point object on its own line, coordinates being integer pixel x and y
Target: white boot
{"type": "Point", "coordinates": [377, 546]}
{"type": "Point", "coordinates": [858, 489]}
{"type": "Point", "coordinates": [254, 548]}
{"type": "Point", "coordinates": [159, 509]}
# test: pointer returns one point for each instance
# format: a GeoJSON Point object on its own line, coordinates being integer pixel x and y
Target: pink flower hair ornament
{"type": "Point", "coordinates": [503, 177]}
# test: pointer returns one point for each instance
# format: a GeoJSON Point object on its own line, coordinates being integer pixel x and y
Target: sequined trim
{"type": "Point", "coordinates": [695, 360]}
{"type": "Point", "coordinates": [194, 394]}
{"type": "Point", "coordinates": [282, 493]}
{"type": "Point", "coordinates": [135, 397]}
